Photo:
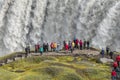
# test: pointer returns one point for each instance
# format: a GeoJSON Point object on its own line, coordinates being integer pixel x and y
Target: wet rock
{"type": "Point", "coordinates": [1, 64]}
{"type": "Point", "coordinates": [105, 60]}
{"type": "Point", "coordinates": [19, 71]}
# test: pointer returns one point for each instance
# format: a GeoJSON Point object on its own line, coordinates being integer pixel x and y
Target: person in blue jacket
{"type": "Point", "coordinates": [102, 52]}
{"type": "Point", "coordinates": [41, 50]}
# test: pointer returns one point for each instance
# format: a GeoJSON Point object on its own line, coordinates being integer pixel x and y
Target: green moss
{"type": "Point", "coordinates": [55, 68]}
{"type": "Point", "coordinates": [70, 76]}
{"type": "Point", "coordinates": [34, 76]}
{"type": "Point", "coordinates": [38, 59]}
{"type": "Point", "coordinates": [66, 59]}
{"type": "Point", "coordinates": [52, 71]}
{"type": "Point", "coordinates": [6, 75]}
{"type": "Point", "coordinates": [96, 74]}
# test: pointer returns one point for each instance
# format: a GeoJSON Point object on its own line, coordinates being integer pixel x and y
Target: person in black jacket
{"type": "Point", "coordinates": [111, 54]}
{"type": "Point", "coordinates": [84, 43]}
{"type": "Point", "coordinates": [107, 50]}
{"type": "Point", "coordinates": [88, 44]}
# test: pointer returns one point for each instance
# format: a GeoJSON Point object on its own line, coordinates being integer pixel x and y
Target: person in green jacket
{"type": "Point", "coordinates": [41, 50]}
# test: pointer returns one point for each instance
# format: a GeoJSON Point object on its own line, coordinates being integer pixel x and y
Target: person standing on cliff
{"type": "Point", "coordinates": [113, 74]}
{"type": "Point", "coordinates": [47, 47]}
{"type": "Point", "coordinates": [37, 46]}
{"type": "Point", "coordinates": [64, 43]}
{"type": "Point", "coordinates": [26, 52]}
{"type": "Point", "coordinates": [76, 43]}
{"type": "Point", "coordinates": [111, 54]}
{"type": "Point", "coordinates": [115, 65]}
{"type": "Point", "coordinates": [107, 50]}
{"type": "Point", "coordinates": [66, 47]}
{"type": "Point", "coordinates": [58, 47]}
{"type": "Point", "coordinates": [84, 43]}
{"type": "Point", "coordinates": [88, 44]}
{"type": "Point", "coordinates": [51, 46]}
{"type": "Point", "coordinates": [118, 60]}
{"type": "Point", "coordinates": [102, 53]}
{"type": "Point", "coordinates": [69, 44]}
{"type": "Point", "coordinates": [81, 44]}
{"type": "Point", "coordinates": [41, 49]}
{"type": "Point", "coordinates": [72, 46]}
{"type": "Point", "coordinates": [44, 47]}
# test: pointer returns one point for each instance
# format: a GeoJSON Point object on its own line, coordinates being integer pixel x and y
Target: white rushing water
{"type": "Point", "coordinates": [32, 21]}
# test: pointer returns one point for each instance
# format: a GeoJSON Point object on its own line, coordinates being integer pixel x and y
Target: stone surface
{"type": "Point", "coordinates": [106, 60]}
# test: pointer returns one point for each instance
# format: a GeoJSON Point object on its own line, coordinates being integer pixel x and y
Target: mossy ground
{"type": "Point", "coordinates": [55, 68]}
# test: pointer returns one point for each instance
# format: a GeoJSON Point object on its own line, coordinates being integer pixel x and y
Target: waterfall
{"type": "Point", "coordinates": [25, 22]}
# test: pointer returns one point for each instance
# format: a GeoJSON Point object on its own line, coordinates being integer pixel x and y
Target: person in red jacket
{"type": "Point", "coordinates": [115, 65]}
{"type": "Point", "coordinates": [37, 46]}
{"type": "Point", "coordinates": [118, 60]}
{"type": "Point", "coordinates": [66, 47]}
{"type": "Point", "coordinates": [76, 43]}
{"type": "Point", "coordinates": [113, 74]}
{"type": "Point", "coordinates": [51, 46]}
{"type": "Point", "coordinates": [81, 44]}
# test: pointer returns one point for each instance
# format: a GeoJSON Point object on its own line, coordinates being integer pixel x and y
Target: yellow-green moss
{"type": "Point", "coordinates": [54, 68]}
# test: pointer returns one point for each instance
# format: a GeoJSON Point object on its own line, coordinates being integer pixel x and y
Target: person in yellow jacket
{"type": "Point", "coordinates": [73, 45]}
{"type": "Point", "coordinates": [54, 46]}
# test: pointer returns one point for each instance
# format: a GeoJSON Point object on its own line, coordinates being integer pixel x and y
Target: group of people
{"type": "Point", "coordinates": [78, 44]}
{"type": "Point", "coordinates": [81, 44]}
{"type": "Point", "coordinates": [44, 47]}
{"type": "Point", "coordinates": [116, 68]}
{"type": "Point", "coordinates": [108, 52]}
{"type": "Point", "coordinates": [54, 46]}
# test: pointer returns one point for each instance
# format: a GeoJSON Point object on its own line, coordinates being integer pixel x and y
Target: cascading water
{"type": "Point", "coordinates": [32, 21]}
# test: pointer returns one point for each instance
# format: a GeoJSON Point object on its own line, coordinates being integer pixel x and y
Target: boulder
{"type": "Point", "coordinates": [105, 60]}
{"type": "Point", "coordinates": [1, 64]}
